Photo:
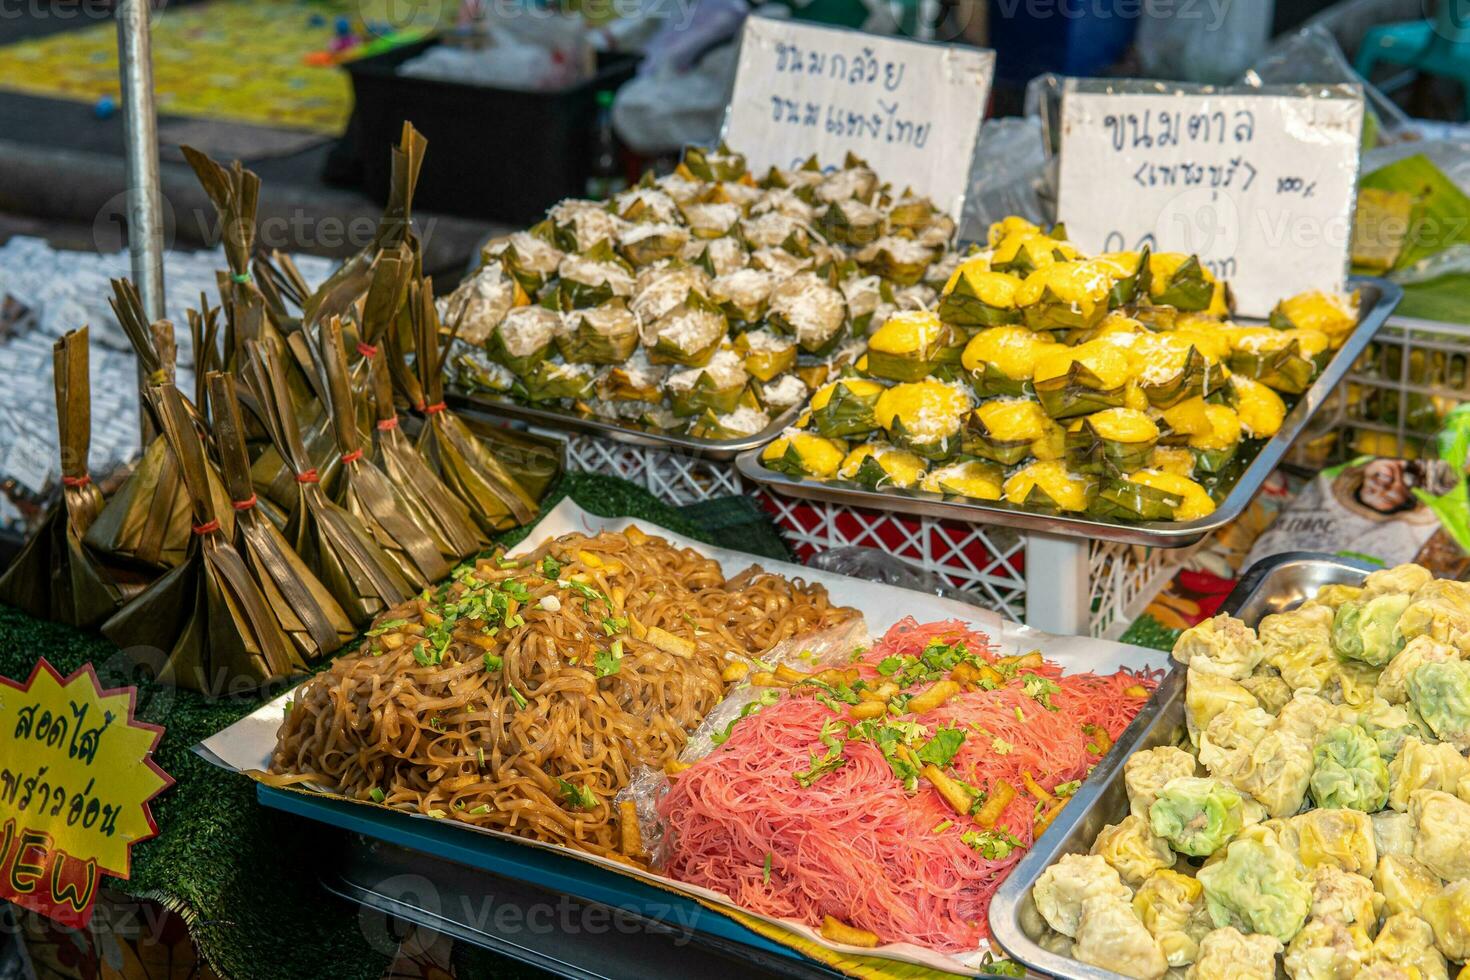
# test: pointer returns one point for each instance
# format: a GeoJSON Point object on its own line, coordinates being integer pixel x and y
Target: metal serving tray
{"type": "Point", "coordinates": [489, 407]}
{"type": "Point", "coordinates": [1377, 299]}
{"type": "Point", "coordinates": [1272, 585]}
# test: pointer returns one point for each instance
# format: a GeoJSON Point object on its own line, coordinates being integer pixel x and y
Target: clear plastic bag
{"type": "Point", "coordinates": [1007, 176]}
{"type": "Point", "coordinates": [879, 566]}
{"type": "Point", "coordinates": [1312, 55]}
{"type": "Point", "coordinates": [1209, 43]}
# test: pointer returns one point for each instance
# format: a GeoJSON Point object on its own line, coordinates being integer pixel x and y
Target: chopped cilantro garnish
{"type": "Point", "coordinates": [940, 750]}
{"type": "Point", "coordinates": [579, 797]}
{"type": "Point", "coordinates": [888, 666]}
{"type": "Point", "coordinates": [493, 663]}
{"type": "Point", "coordinates": [376, 795]}
{"type": "Point", "coordinates": [820, 766]}
{"type": "Point", "coordinates": [991, 844]}
{"type": "Point", "coordinates": [550, 567]}
{"type": "Point", "coordinates": [608, 661]}
{"type": "Point", "coordinates": [387, 626]}
{"type": "Point", "coordinates": [766, 869]}
{"type": "Point", "coordinates": [516, 696]}
{"type": "Point", "coordinates": [1041, 689]}
{"type": "Point", "coordinates": [583, 589]}
{"type": "Point", "coordinates": [423, 656]}
{"type": "Point", "coordinates": [613, 625]}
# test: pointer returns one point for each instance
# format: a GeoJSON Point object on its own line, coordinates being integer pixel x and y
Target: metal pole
{"type": "Point", "coordinates": [1058, 594]}
{"type": "Point", "coordinates": [145, 194]}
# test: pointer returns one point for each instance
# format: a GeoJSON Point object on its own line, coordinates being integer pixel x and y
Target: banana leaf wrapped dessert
{"type": "Point", "coordinates": [606, 334]}
{"type": "Point", "coordinates": [743, 294]}
{"type": "Point", "coordinates": [1131, 275]}
{"type": "Point", "coordinates": [798, 453]}
{"type": "Point", "coordinates": [810, 310]}
{"type": "Point", "coordinates": [742, 422]}
{"type": "Point", "coordinates": [970, 478]}
{"type": "Point", "coordinates": [719, 164]}
{"type": "Point", "coordinates": [1213, 432]}
{"type": "Point", "coordinates": [1008, 430]}
{"type": "Point", "coordinates": [719, 256]}
{"type": "Point", "coordinates": [1001, 360]}
{"type": "Point", "coordinates": [926, 417]}
{"type": "Point", "coordinates": [1047, 485]}
{"type": "Point", "coordinates": [1180, 281]}
{"type": "Point", "coordinates": [855, 181]}
{"type": "Point", "coordinates": [1071, 381]}
{"type": "Point", "coordinates": [897, 259]}
{"type": "Point", "coordinates": [1152, 495]}
{"type": "Point", "coordinates": [207, 614]}
{"type": "Point", "coordinates": [661, 288]}
{"type": "Point", "coordinates": [720, 386]}
{"type": "Point", "coordinates": [869, 302]}
{"type": "Point", "coordinates": [1065, 295]}
{"type": "Point", "coordinates": [524, 338]}
{"type": "Point", "coordinates": [635, 380]}
{"type": "Point", "coordinates": [875, 465]}
{"type": "Point", "coordinates": [481, 302]}
{"type": "Point", "coordinates": [687, 334]}
{"type": "Point", "coordinates": [1113, 440]}
{"type": "Point", "coordinates": [646, 201]}
{"type": "Point", "coordinates": [54, 576]}
{"type": "Point", "coordinates": [1261, 410]}
{"type": "Point", "coordinates": [552, 380]}
{"type": "Point", "coordinates": [711, 219]}
{"type": "Point", "coordinates": [1172, 459]}
{"type": "Point", "coordinates": [531, 258]}
{"type": "Point", "coordinates": [767, 355]}
{"type": "Point", "coordinates": [977, 296]}
{"type": "Point", "coordinates": [777, 230]}
{"type": "Point", "coordinates": [782, 263]}
{"type": "Point", "coordinates": [474, 371]}
{"type": "Point", "coordinates": [846, 407]}
{"type": "Point", "coordinates": [580, 225]}
{"type": "Point", "coordinates": [1170, 368]}
{"type": "Point", "coordinates": [1020, 248]}
{"type": "Point", "coordinates": [851, 222]}
{"type": "Point", "coordinates": [593, 276]}
{"type": "Point", "coordinates": [1333, 314]}
{"type": "Point", "coordinates": [784, 392]}
{"type": "Point", "coordinates": [1286, 360]}
{"type": "Point", "coordinates": [910, 345]}
{"type": "Point", "coordinates": [647, 242]}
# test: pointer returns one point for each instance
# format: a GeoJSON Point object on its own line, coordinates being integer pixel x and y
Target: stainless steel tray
{"type": "Point", "coordinates": [1275, 584]}
{"type": "Point", "coordinates": [490, 406]}
{"type": "Point", "coordinates": [1377, 298]}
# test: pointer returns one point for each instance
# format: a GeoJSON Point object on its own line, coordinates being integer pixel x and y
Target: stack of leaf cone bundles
{"type": "Point", "coordinates": [288, 499]}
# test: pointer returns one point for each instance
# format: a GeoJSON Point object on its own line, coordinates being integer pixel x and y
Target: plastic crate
{"type": "Point", "coordinates": [493, 153]}
{"type": "Point", "coordinates": [987, 563]}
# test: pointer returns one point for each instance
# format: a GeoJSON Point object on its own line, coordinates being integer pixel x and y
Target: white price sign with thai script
{"type": "Point", "coordinates": [912, 110]}
{"type": "Point", "coordinates": [1259, 183]}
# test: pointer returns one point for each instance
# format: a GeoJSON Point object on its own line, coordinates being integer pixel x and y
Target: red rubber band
{"type": "Point", "coordinates": [386, 424]}
{"type": "Point", "coordinates": [206, 528]}
{"type": "Point", "coordinates": [310, 476]}
{"type": "Point", "coordinates": [76, 481]}
{"type": "Point", "coordinates": [245, 504]}
{"type": "Point", "coordinates": [434, 408]}
{"type": "Point", "coordinates": [352, 457]}
{"type": "Point", "coordinates": [367, 350]}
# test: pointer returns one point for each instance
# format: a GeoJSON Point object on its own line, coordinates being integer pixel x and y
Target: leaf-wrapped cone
{"type": "Point", "coordinates": [1116, 440]}
{"type": "Point", "coordinates": [1334, 315]}
{"type": "Point", "coordinates": [1124, 500]}
{"type": "Point", "coordinates": [474, 371]}
{"type": "Point", "coordinates": [1007, 431]}
{"type": "Point", "coordinates": [911, 344]}
{"type": "Point", "coordinates": [845, 407]}
{"type": "Point", "coordinates": [851, 223]}
{"type": "Point", "coordinates": [208, 615]}
{"type": "Point", "coordinates": [332, 542]}
{"type": "Point", "coordinates": [980, 298]}
{"type": "Point", "coordinates": [926, 417]}
{"type": "Point", "coordinates": [897, 259]}
{"type": "Point", "coordinates": [305, 609]}
{"type": "Point", "coordinates": [592, 278]}
{"type": "Point", "coordinates": [689, 334]}
{"type": "Point", "coordinates": [1133, 275]}
{"type": "Point", "coordinates": [718, 386]}
{"type": "Point", "coordinates": [876, 465]}
{"type": "Point", "coordinates": [1181, 282]}
{"type": "Point", "coordinates": [606, 334]}
{"type": "Point", "coordinates": [1050, 487]}
{"type": "Point", "coordinates": [530, 257]}
{"type": "Point", "coordinates": [742, 295]}
{"type": "Point", "coordinates": [999, 361]}
{"type": "Point", "coordinates": [719, 164]}
{"type": "Point", "coordinates": [801, 454]}
{"type": "Point", "coordinates": [550, 381]}
{"type": "Point", "coordinates": [1054, 311]}
{"type": "Point", "coordinates": [808, 308]}
{"type": "Point", "coordinates": [1211, 461]}
{"type": "Point", "coordinates": [524, 338]}
{"type": "Point", "coordinates": [911, 212]}
{"type": "Point", "coordinates": [54, 576]}
{"type": "Point", "coordinates": [1192, 379]}
{"type": "Point", "coordinates": [969, 478]}
{"type": "Point", "coordinates": [766, 354]}
{"type": "Point", "coordinates": [1287, 369]}
{"type": "Point", "coordinates": [648, 242]}
{"type": "Point", "coordinates": [1079, 391]}
{"type": "Point", "coordinates": [742, 422]}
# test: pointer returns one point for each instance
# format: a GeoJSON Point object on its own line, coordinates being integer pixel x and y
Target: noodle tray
{"type": "Point", "coordinates": [454, 854]}
{"type": "Point", "coordinates": [1274, 585]}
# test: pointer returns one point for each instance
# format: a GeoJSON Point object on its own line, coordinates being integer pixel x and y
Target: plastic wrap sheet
{"type": "Point", "coordinates": [247, 744]}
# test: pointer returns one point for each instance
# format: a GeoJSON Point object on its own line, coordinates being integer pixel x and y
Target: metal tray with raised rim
{"type": "Point", "coordinates": [490, 406]}
{"type": "Point", "coordinates": [1377, 299]}
{"type": "Point", "coordinates": [1272, 585]}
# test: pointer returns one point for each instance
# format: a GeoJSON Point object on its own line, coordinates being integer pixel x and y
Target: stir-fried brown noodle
{"type": "Point", "coordinates": [521, 695]}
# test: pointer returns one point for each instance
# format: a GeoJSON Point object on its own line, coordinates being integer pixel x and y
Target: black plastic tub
{"type": "Point", "coordinates": [493, 153]}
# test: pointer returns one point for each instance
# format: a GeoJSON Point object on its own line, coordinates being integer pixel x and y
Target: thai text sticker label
{"type": "Point", "coordinates": [1259, 183]}
{"type": "Point", "coordinates": [76, 777]}
{"type": "Point", "coordinates": [911, 110]}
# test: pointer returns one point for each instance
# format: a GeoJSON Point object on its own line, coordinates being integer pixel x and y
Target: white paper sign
{"type": "Point", "coordinates": [912, 110]}
{"type": "Point", "coordinates": [1259, 183]}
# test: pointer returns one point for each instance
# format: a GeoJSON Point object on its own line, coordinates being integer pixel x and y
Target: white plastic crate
{"type": "Point", "coordinates": [987, 563]}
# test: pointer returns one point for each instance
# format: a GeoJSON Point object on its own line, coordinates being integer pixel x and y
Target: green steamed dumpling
{"type": "Point", "coordinates": [1366, 632]}
{"type": "Point", "coordinates": [1196, 815]}
{"type": "Point", "coordinates": [1348, 771]}
{"type": "Point", "coordinates": [1257, 888]}
{"type": "Point", "coordinates": [1440, 693]}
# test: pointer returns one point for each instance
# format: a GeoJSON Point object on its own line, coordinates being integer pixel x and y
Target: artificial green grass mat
{"type": "Point", "coordinates": [246, 877]}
